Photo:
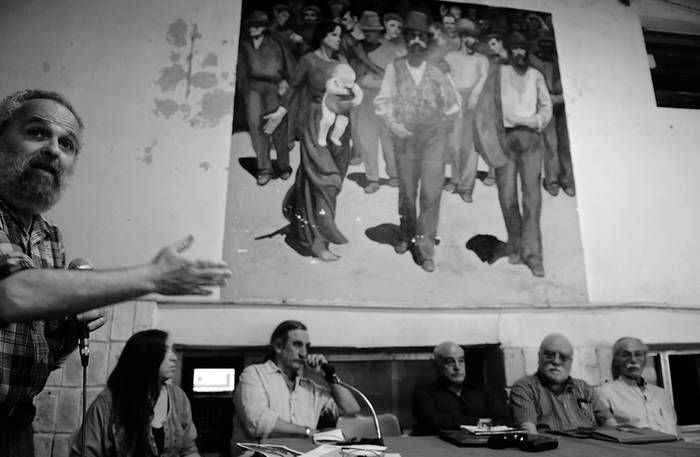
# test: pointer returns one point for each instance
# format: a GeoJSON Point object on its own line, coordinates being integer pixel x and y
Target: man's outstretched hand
{"type": "Point", "coordinates": [177, 275]}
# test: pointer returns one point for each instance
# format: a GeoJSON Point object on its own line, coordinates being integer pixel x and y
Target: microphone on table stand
{"type": "Point", "coordinates": [333, 378]}
{"type": "Point", "coordinates": [83, 348]}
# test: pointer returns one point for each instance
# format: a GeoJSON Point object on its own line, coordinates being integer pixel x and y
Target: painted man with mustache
{"type": "Point", "coordinates": [630, 398]}
{"type": "Point", "coordinates": [42, 305]}
{"type": "Point", "coordinates": [418, 104]}
{"type": "Point", "coordinates": [551, 399]}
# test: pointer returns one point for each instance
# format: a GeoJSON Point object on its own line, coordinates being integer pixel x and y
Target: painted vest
{"type": "Point", "coordinates": [423, 104]}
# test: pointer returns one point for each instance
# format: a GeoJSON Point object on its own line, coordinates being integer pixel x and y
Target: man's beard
{"type": "Point", "coordinates": [31, 183]}
{"type": "Point", "coordinates": [519, 62]}
{"type": "Point", "coordinates": [417, 48]}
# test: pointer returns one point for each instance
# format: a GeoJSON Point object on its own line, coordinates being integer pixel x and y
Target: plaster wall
{"type": "Point", "coordinates": [153, 82]}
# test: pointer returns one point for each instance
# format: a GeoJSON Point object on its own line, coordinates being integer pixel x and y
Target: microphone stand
{"type": "Point", "coordinates": [333, 378]}
{"type": "Point", "coordinates": [84, 359]}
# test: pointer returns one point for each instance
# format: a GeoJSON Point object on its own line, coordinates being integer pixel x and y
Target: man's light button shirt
{"type": "Point", "coordinates": [647, 406]}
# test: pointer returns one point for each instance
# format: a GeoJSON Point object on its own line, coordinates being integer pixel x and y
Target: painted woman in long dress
{"type": "Point", "coordinates": [310, 204]}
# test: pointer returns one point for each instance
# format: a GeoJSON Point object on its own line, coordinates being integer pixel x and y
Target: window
{"type": "Point", "coordinates": [208, 378]}
{"type": "Point", "coordinates": [677, 370]}
{"type": "Point", "coordinates": [213, 379]}
{"type": "Point", "coordinates": [674, 61]}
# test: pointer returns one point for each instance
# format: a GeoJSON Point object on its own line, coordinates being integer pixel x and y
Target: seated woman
{"type": "Point", "coordinates": [140, 413]}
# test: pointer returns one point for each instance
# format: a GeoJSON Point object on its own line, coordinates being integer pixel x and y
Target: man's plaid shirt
{"type": "Point", "coordinates": [29, 350]}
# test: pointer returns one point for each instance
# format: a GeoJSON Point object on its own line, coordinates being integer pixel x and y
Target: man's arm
{"type": "Point", "coordinates": [523, 406]}
{"type": "Point", "coordinates": [601, 411]}
{"type": "Point", "coordinates": [345, 400]}
{"type": "Point", "coordinates": [33, 294]}
{"type": "Point", "coordinates": [483, 69]}
{"type": "Point", "coordinates": [544, 103]}
{"type": "Point", "coordinates": [384, 101]}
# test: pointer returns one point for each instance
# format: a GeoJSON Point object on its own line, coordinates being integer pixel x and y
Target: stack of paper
{"type": "Point", "coordinates": [495, 430]}
{"type": "Point", "coordinates": [328, 436]}
{"type": "Point", "coordinates": [360, 450]}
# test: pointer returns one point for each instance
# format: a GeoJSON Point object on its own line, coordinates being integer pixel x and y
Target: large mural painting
{"type": "Point", "coordinates": [400, 154]}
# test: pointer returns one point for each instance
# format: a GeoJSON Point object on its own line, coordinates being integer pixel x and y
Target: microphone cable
{"type": "Point", "coordinates": [84, 349]}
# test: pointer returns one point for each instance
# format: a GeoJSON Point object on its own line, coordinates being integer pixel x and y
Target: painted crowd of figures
{"type": "Point", "coordinates": [433, 96]}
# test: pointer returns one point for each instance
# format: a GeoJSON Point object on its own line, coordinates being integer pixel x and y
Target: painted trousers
{"type": "Point", "coordinates": [263, 99]}
{"type": "Point", "coordinates": [523, 147]}
{"type": "Point", "coordinates": [420, 165]}
{"type": "Point", "coordinates": [462, 156]}
{"type": "Point", "coordinates": [557, 154]}
{"type": "Point", "coordinates": [368, 131]}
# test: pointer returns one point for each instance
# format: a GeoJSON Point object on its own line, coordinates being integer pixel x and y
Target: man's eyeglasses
{"type": "Point", "coordinates": [551, 356]}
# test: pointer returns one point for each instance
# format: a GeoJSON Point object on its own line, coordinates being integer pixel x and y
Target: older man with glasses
{"type": "Point", "coordinates": [629, 397]}
{"type": "Point", "coordinates": [551, 399]}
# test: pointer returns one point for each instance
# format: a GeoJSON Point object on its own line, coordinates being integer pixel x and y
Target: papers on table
{"type": "Point", "coordinates": [270, 450]}
{"type": "Point", "coordinates": [495, 430]}
{"type": "Point", "coordinates": [359, 450]}
{"type": "Point", "coordinates": [328, 436]}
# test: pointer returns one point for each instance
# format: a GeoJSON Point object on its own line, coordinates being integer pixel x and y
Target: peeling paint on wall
{"type": "Point", "coordinates": [171, 76]}
{"type": "Point", "coordinates": [148, 153]}
{"type": "Point", "coordinates": [177, 33]}
{"type": "Point", "coordinates": [205, 165]}
{"type": "Point", "coordinates": [166, 107]}
{"type": "Point", "coordinates": [215, 105]}
{"type": "Point", "coordinates": [210, 60]}
{"type": "Point", "coordinates": [204, 80]}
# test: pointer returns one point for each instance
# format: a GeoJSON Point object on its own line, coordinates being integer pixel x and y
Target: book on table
{"type": "Point", "coordinates": [628, 434]}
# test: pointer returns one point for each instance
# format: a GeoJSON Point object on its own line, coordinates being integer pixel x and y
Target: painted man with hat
{"type": "Point", "coordinates": [371, 131]}
{"type": "Point", "coordinates": [282, 27]}
{"type": "Point", "coordinates": [468, 70]}
{"type": "Point", "coordinates": [336, 8]}
{"type": "Point", "coordinates": [265, 65]}
{"type": "Point", "coordinates": [311, 16]}
{"type": "Point", "coordinates": [514, 109]}
{"type": "Point", "coordinates": [418, 103]}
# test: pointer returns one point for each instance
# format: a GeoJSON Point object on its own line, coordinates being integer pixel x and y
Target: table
{"type": "Point", "coordinates": [432, 446]}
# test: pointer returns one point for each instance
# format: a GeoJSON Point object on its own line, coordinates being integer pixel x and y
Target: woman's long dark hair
{"type": "Point", "coordinates": [322, 29]}
{"type": "Point", "coordinates": [135, 385]}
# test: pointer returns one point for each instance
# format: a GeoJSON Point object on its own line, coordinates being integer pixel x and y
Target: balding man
{"type": "Point", "coordinates": [629, 397]}
{"type": "Point", "coordinates": [450, 402]}
{"type": "Point", "coordinates": [551, 399]}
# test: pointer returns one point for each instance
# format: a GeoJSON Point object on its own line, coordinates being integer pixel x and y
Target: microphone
{"type": "Point", "coordinates": [83, 331]}
{"type": "Point", "coordinates": [332, 378]}
{"type": "Point", "coordinates": [329, 372]}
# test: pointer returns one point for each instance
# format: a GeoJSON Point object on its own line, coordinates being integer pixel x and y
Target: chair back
{"type": "Point", "coordinates": [363, 426]}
